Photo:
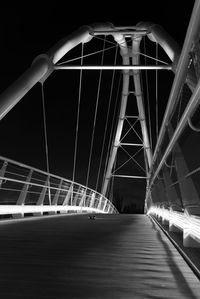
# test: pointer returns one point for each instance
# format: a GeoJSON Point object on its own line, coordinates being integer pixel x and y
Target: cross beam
{"type": "Point", "coordinates": [113, 67]}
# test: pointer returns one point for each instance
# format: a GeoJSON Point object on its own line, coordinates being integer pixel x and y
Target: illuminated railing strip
{"type": "Point", "coordinates": [188, 224]}
{"type": "Point", "coordinates": [15, 209]}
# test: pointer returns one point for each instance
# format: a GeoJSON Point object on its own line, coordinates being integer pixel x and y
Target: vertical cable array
{"type": "Point", "coordinates": [95, 116]}
{"type": "Point", "coordinates": [112, 130]}
{"type": "Point", "coordinates": [157, 92]}
{"type": "Point", "coordinates": [106, 125]}
{"type": "Point", "coordinates": [46, 140]}
{"type": "Point", "coordinates": [78, 115]}
{"type": "Point", "coordinates": [148, 100]}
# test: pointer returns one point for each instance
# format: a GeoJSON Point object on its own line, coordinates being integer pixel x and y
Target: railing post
{"type": "Point", "coordinates": [40, 201]}
{"type": "Point", "coordinates": [105, 204]}
{"type": "Point", "coordinates": [68, 196]}
{"type": "Point", "coordinates": [2, 171]}
{"type": "Point", "coordinates": [99, 204]}
{"type": "Point", "coordinates": [92, 200]}
{"type": "Point", "coordinates": [76, 196]}
{"type": "Point", "coordinates": [43, 193]}
{"type": "Point", "coordinates": [22, 196]}
{"type": "Point", "coordinates": [57, 194]}
{"type": "Point", "coordinates": [110, 209]}
{"type": "Point", "coordinates": [82, 201]}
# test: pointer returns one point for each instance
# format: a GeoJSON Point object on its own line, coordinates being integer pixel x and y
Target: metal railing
{"type": "Point", "coordinates": [173, 192]}
{"type": "Point", "coordinates": [26, 190]}
{"type": "Point", "coordinates": [181, 222]}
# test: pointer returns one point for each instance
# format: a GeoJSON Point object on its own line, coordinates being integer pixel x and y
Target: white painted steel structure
{"type": "Point", "coordinates": [44, 65]}
{"type": "Point", "coordinates": [176, 203]}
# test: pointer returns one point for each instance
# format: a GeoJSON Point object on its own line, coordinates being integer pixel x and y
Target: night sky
{"type": "Point", "coordinates": [28, 30]}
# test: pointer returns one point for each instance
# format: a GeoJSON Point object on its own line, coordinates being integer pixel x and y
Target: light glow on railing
{"type": "Point", "coordinates": [31, 209]}
{"type": "Point", "coordinates": [188, 224]}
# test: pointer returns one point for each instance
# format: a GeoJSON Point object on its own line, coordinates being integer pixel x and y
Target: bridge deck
{"type": "Point", "coordinates": [114, 256]}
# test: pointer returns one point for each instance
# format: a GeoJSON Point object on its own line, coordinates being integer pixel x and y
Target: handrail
{"type": "Point", "coordinates": [44, 173]}
{"type": "Point", "coordinates": [181, 73]}
{"type": "Point", "coordinates": [180, 221]}
{"type": "Point", "coordinates": [73, 197]}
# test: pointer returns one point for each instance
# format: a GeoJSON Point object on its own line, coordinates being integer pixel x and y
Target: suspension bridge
{"type": "Point", "coordinates": [135, 97]}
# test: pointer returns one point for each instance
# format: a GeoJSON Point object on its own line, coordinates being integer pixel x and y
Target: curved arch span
{"type": "Point", "coordinates": [43, 65]}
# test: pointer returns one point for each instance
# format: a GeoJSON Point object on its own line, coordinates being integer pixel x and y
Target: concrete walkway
{"type": "Point", "coordinates": [114, 256]}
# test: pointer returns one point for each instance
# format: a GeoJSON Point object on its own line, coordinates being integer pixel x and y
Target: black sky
{"type": "Point", "coordinates": [30, 29]}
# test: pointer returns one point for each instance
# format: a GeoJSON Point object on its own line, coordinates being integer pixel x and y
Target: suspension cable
{"type": "Point", "coordinates": [129, 47]}
{"type": "Point", "coordinates": [148, 101]}
{"type": "Point", "coordinates": [95, 116]}
{"type": "Point", "coordinates": [112, 130]}
{"type": "Point", "coordinates": [106, 125]}
{"type": "Point", "coordinates": [87, 55]}
{"type": "Point", "coordinates": [156, 94]}
{"type": "Point", "coordinates": [78, 115]}
{"type": "Point", "coordinates": [46, 140]}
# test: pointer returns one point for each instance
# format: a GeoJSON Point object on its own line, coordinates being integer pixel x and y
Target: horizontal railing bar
{"type": "Point", "coordinates": [31, 184]}
{"type": "Point", "coordinates": [130, 116]}
{"type": "Point", "coordinates": [131, 144]}
{"type": "Point", "coordinates": [123, 31]}
{"type": "Point", "coordinates": [66, 190]}
{"type": "Point", "coordinates": [112, 67]}
{"type": "Point", "coordinates": [43, 172]}
{"type": "Point", "coordinates": [47, 186]}
{"type": "Point", "coordinates": [129, 176]}
{"type": "Point", "coordinates": [33, 168]}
